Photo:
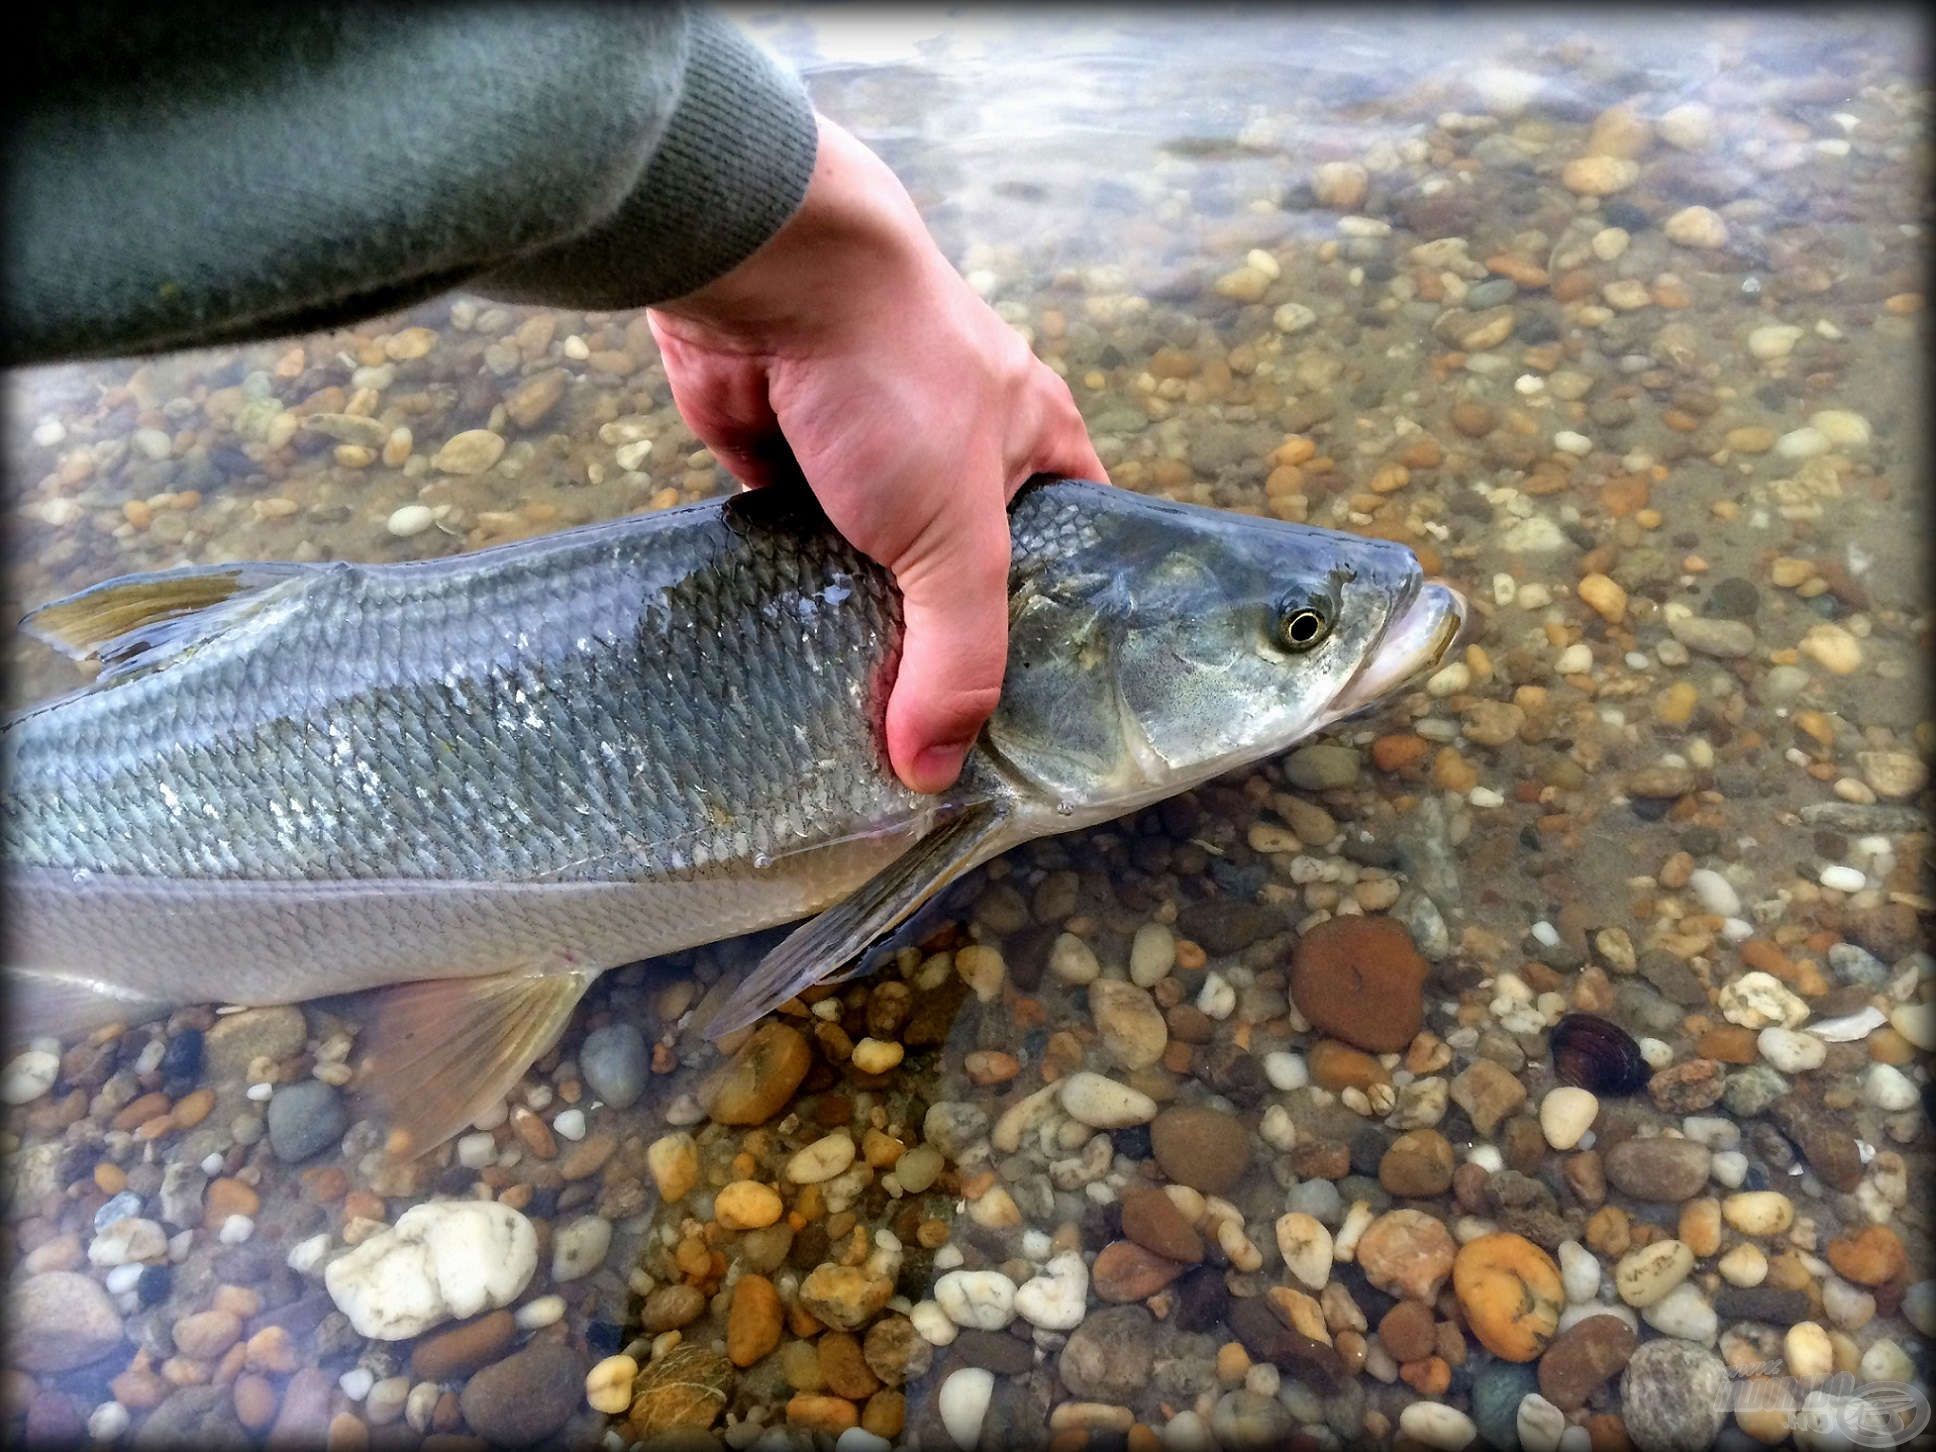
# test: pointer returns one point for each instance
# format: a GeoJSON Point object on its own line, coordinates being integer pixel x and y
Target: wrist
{"type": "Point", "coordinates": [855, 235]}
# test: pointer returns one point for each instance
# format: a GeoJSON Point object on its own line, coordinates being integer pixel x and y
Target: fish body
{"type": "Point", "coordinates": [495, 775]}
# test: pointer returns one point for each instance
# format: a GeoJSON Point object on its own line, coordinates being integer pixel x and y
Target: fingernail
{"type": "Point", "coordinates": [937, 766]}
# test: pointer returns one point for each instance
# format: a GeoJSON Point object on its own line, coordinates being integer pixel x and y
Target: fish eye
{"type": "Point", "coordinates": [1301, 627]}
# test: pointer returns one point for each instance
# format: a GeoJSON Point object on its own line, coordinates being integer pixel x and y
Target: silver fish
{"type": "Point", "coordinates": [480, 781]}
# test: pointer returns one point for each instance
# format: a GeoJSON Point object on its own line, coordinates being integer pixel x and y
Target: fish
{"type": "Point", "coordinates": [472, 784]}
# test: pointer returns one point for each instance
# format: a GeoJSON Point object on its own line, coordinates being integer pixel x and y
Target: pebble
{"type": "Point", "coordinates": [1684, 1312]}
{"type": "Point", "coordinates": [820, 1161]}
{"type": "Point", "coordinates": [749, 1205]}
{"type": "Point", "coordinates": [977, 1300]}
{"type": "Point", "coordinates": [1697, 227]}
{"type": "Point", "coordinates": [1434, 1424]}
{"type": "Point", "coordinates": [579, 1248]}
{"type": "Point", "coordinates": [59, 1320]}
{"type": "Point", "coordinates": [305, 1118]}
{"type": "Point", "coordinates": [472, 452]}
{"type": "Point", "coordinates": [1566, 1114]}
{"type": "Point", "coordinates": [1103, 1103]}
{"type": "Point", "coordinates": [1674, 1396]}
{"type": "Point", "coordinates": [673, 1162]}
{"type": "Point", "coordinates": [1128, 1022]}
{"type": "Point", "coordinates": [28, 1075]}
{"type": "Point", "coordinates": [1773, 340]}
{"type": "Point", "coordinates": [1306, 1247]}
{"type": "Point", "coordinates": [759, 1080]}
{"type": "Point", "coordinates": [129, 1239]}
{"type": "Point", "coordinates": [443, 1260]}
{"type": "Point", "coordinates": [1809, 1353]}
{"type": "Point", "coordinates": [1056, 1299]}
{"type": "Point", "coordinates": [1842, 879]}
{"type": "Point", "coordinates": [755, 1321]}
{"type": "Point", "coordinates": [1583, 1358]}
{"type": "Point", "coordinates": [615, 1063]}
{"type": "Point", "coordinates": [1360, 980]}
{"type": "Point", "coordinates": [1107, 1358]}
{"type": "Point", "coordinates": [1322, 766]}
{"type": "Point", "coordinates": [1073, 961]}
{"type": "Point", "coordinates": [1204, 1148]}
{"type": "Point", "coordinates": [1889, 1089]}
{"type": "Point", "coordinates": [1757, 999]}
{"type": "Point", "coordinates": [410, 519]}
{"type": "Point", "coordinates": [1406, 1253]}
{"type": "Point", "coordinates": [1758, 1212]}
{"type": "Point", "coordinates": [845, 1297]}
{"type": "Point", "coordinates": [1645, 1275]}
{"type": "Point", "coordinates": [1789, 1051]}
{"type": "Point", "coordinates": [963, 1405]}
{"type": "Point", "coordinates": [1723, 639]}
{"type": "Point", "coordinates": [1541, 1425]}
{"type": "Point", "coordinates": [1511, 1294]}
{"type": "Point", "coordinates": [526, 1397]}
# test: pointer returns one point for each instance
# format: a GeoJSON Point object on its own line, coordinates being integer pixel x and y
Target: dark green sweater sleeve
{"type": "Point", "coordinates": [198, 173]}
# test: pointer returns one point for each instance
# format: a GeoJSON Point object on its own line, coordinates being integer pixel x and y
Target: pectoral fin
{"type": "Point", "coordinates": [822, 946]}
{"type": "Point", "coordinates": [446, 1049]}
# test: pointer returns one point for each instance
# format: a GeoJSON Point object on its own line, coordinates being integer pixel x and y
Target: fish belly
{"type": "Point", "coordinates": [135, 944]}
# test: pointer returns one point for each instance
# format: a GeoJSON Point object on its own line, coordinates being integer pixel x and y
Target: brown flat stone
{"type": "Point", "coordinates": [1151, 1219]}
{"type": "Point", "coordinates": [1360, 979]}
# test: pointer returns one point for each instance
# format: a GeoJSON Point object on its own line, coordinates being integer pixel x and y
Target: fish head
{"type": "Point", "coordinates": [1158, 645]}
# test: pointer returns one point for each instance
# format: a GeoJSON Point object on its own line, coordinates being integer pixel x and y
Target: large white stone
{"type": "Point", "coordinates": [441, 1261]}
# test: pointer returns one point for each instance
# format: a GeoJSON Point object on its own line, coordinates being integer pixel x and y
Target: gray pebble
{"type": "Point", "coordinates": [615, 1063]}
{"type": "Point", "coordinates": [305, 1118]}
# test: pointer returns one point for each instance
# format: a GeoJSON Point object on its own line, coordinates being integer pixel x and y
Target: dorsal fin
{"type": "Point", "coordinates": [137, 620]}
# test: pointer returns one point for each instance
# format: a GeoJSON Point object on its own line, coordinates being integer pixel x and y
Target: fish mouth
{"type": "Point", "coordinates": [1420, 634]}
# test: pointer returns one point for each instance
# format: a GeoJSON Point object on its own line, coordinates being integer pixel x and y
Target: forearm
{"type": "Point", "coordinates": [177, 180]}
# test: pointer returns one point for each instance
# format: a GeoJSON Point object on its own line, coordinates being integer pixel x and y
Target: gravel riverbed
{"type": "Point", "coordinates": [1544, 1061]}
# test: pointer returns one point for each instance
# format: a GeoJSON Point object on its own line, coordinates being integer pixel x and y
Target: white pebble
{"type": "Point", "coordinates": [1684, 1312]}
{"type": "Point", "coordinates": [1843, 879]}
{"type": "Point", "coordinates": [571, 1124]}
{"type": "Point", "coordinates": [1565, 1114]}
{"type": "Point", "coordinates": [977, 1300]}
{"type": "Point", "coordinates": [1152, 954]}
{"type": "Point", "coordinates": [475, 1151]}
{"type": "Point", "coordinates": [235, 1230]}
{"type": "Point", "coordinates": [356, 1382]}
{"type": "Point", "coordinates": [1216, 999]}
{"type": "Point", "coordinates": [1286, 1071]}
{"type": "Point", "coordinates": [1773, 340]}
{"type": "Point", "coordinates": [1056, 1299]}
{"type": "Point", "coordinates": [1541, 1425]}
{"type": "Point", "coordinates": [1889, 1089]}
{"type": "Point", "coordinates": [1437, 1425]}
{"type": "Point", "coordinates": [1579, 1272]}
{"type": "Point", "coordinates": [1790, 1051]}
{"type": "Point", "coordinates": [1806, 442]}
{"type": "Point", "coordinates": [859, 1439]}
{"type": "Point", "coordinates": [410, 519]}
{"type": "Point", "coordinates": [1576, 659]}
{"type": "Point", "coordinates": [1569, 442]}
{"type": "Point", "coordinates": [964, 1403]}
{"type": "Point", "coordinates": [933, 1323]}
{"type": "Point", "coordinates": [536, 1314]}
{"type": "Point", "coordinates": [1102, 1103]}
{"type": "Point", "coordinates": [1715, 892]}
{"type": "Point", "coordinates": [306, 1255]}
{"type": "Point", "coordinates": [29, 1075]}
{"type": "Point", "coordinates": [1729, 1168]}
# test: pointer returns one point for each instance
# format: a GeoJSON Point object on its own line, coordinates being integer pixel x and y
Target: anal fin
{"type": "Point", "coordinates": [444, 1050]}
{"type": "Point", "coordinates": [822, 947]}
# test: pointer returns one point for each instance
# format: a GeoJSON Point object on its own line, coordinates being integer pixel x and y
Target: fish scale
{"type": "Point", "coordinates": [555, 759]}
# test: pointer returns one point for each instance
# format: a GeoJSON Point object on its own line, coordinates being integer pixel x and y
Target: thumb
{"type": "Point", "coordinates": [954, 590]}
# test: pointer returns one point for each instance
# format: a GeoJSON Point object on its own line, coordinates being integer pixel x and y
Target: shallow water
{"type": "Point", "coordinates": [1334, 268]}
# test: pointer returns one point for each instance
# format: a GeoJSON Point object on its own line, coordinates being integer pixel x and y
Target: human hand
{"type": "Point", "coordinates": [849, 343]}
